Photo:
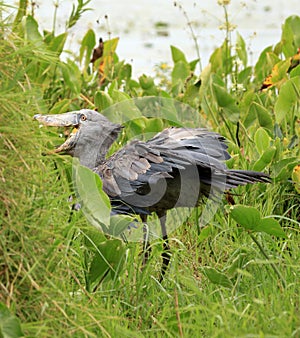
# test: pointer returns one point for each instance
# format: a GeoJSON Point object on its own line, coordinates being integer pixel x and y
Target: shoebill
{"type": "Point", "coordinates": [175, 168]}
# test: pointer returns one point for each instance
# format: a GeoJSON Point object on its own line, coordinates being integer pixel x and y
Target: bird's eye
{"type": "Point", "coordinates": [82, 117]}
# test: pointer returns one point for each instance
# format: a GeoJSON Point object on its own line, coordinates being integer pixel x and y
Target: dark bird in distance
{"type": "Point", "coordinates": [175, 168]}
{"type": "Point", "coordinates": [98, 51]}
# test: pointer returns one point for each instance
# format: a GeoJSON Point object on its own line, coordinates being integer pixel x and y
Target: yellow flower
{"type": "Point", "coordinates": [223, 2]}
{"type": "Point", "coordinates": [163, 66]}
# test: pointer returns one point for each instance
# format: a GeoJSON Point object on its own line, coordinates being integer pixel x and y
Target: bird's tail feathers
{"type": "Point", "coordinates": [241, 177]}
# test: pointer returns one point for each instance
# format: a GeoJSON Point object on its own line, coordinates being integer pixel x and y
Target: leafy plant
{"type": "Point", "coordinates": [9, 324]}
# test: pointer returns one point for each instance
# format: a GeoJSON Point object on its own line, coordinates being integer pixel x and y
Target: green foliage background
{"type": "Point", "coordinates": [60, 277]}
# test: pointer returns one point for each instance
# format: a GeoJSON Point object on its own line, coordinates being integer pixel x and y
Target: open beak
{"type": "Point", "coordinates": [66, 120]}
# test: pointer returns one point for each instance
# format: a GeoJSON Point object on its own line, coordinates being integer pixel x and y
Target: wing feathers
{"type": "Point", "coordinates": [140, 164]}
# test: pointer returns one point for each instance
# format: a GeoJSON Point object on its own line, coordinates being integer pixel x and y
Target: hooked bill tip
{"type": "Point", "coordinates": [36, 116]}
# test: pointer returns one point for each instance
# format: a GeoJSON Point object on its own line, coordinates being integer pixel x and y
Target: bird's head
{"type": "Point", "coordinates": [91, 134]}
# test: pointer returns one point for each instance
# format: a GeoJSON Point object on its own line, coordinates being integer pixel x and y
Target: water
{"type": "Point", "coordinates": [144, 46]}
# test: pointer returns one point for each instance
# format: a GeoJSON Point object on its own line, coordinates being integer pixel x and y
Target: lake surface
{"type": "Point", "coordinates": [147, 28]}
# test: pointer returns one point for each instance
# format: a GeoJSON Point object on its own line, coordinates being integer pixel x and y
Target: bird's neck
{"type": "Point", "coordinates": [94, 152]}
{"type": "Point", "coordinates": [106, 143]}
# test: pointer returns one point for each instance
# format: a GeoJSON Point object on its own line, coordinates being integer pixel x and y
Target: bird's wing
{"type": "Point", "coordinates": [141, 163]}
{"type": "Point", "coordinates": [191, 141]}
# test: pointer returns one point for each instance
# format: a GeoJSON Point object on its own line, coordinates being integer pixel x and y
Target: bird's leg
{"type": "Point", "coordinates": [166, 254]}
{"type": "Point", "coordinates": [146, 242]}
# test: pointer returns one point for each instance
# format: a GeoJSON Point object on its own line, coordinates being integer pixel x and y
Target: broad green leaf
{"type": "Point", "coordinates": [177, 55]}
{"type": "Point", "coordinates": [95, 202]}
{"type": "Point", "coordinates": [165, 94]}
{"type": "Point", "coordinates": [241, 49]}
{"type": "Point", "coordinates": [217, 80]}
{"type": "Point", "coordinates": [72, 76]}
{"type": "Point", "coordinates": [9, 324]}
{"type": "Point", "coordinates": [262, 140]}
{"type": "Point", "coordinates": [48, 36]}
{"type": "Point", "coordinates": [109, 255]}
{"type": "Point", "coordinates": [265, 159]}
{"type": "Point", "coordinates": [279, 165]}
{"type": "Point", "coordinates": [279, 72]}
{"type": "Point", "coordinates": [271, 227]}
{"type": "Point", "coordinates": [118, 65]}
{"type": "Point", "coordinates": [226, 102]}
{"type": "Point", "coordinates": [119, 223]}
{"type": "Point", "coordinates": [284, 168]}
{"type": "Point", "coordinates": [221, 61]}
{"type": "Point", "coordinates": [250, 219]}
{"type": "Point", "coordinates": [204, 234]}
{"type": "Point", "coordinates": [247, 217]}
{"type": "Point", "coordinates": [133, 84]}
{"type": "Point", "coordinates": [191, 93]}
{"type": "Point", "coordinates": [146, 82]}
{"type": "Point", "coordinates": [250, 116]}
{"type": "Point", "coordinates": [154, 125]}
{"type": "Point", "coordinates": [278, 135]}
{"type": "Point", "coordinates": [86, 48]}
{"type": "Point", "coordinates": [265, 63]}
{"type": "Point", "coordinates": [119, 96]}
{"type": "Point", "coordinates": [216, 60]}
{"type": "Point", "coordinates": [263, 115]}
{"type": "Point", "coordinates": [180, 73]}
{"type": "Point", "coordinates": [125, 72]}
{"type": "Point", "coordinates": [102, 100]}
{"type": "Point", "coordinates": [170, 113]}
{"type": "Point", "coordinates": [244, 76]}
{"type": "Point", "coordinates": [205, 80]}
{"type": "Point", "coordinates": [32, 31]}
{"type": "Point", "coordinates": [110, 47]}
{"type": "Point", "coordinates": [288, 100]}
{"type": "Point", "coordinates": [114, 86]}
{"type": "Point", "coordinates": [295, 72]}
{"type": "Point", "coordinates": [93, 238]}
{"type": "Point", "coordinates": [135, 127]}
{"type": "Point", "coordinates": [290, 38]}
{"type": "Point", "coordinates": [124, 108]}
{"type": "Point", "coordinates": [217, 277]}
{"type": "Point", "coordinates": [193, 64]}
{"type": "Point", "coordinates": [57, 43]}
